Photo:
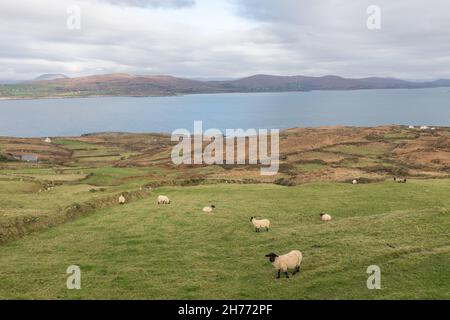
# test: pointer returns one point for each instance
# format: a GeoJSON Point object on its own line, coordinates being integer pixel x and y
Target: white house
{"type": "Point", "coordinates": [48, 140]}
{"type": "Point", "coordinates": [29, 158]}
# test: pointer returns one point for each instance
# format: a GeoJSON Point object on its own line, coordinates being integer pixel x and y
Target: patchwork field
{"type": "Point", "coordinates": [63, 210]}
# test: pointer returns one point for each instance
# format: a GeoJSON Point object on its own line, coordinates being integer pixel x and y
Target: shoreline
{"type": "Point", "coordinates": [331, 127]}
{"type": "Point", "coordinates": [209, 93]}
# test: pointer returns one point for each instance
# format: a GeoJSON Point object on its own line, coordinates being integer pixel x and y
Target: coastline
{"type": "Point", "coordinates": [208, 93]}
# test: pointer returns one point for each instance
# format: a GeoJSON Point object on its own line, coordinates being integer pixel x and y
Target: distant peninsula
{"type": "Point", "coordinates": [112, 85]}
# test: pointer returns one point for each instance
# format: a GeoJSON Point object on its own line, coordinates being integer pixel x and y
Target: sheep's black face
{"type": "Point", "coordinates": [251, 219]}
{"type": "Point", "coordinates": [272, 256]}
{"type": "Point", "coordinates": [213, 206]}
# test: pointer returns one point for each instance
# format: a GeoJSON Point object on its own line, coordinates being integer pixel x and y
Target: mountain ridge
{"type": "Point", "coordinates": [50, 76]}
{"type": "Point", "coordinates": [123, 84]}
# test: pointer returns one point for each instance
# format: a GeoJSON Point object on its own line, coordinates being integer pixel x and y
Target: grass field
{"type": "Point", "coordinates": [145, 251]}
{"type": "Point", "coordinates": [64, 211]}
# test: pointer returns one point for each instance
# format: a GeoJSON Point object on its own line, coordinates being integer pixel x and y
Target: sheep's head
{"type": "Point", "coordinates": [213, 206]}
{"type": "Point", "coordinates": [322, 214]}
{"type": "Point", "coordinates": [272, 256]}
{"type": "Point", "coordinates": [251, 219]}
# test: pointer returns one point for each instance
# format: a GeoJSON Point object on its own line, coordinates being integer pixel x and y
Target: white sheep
{"type": "Point", "coordinates": [259, 224]}
{"type": "Point", "coordinates": [355, 181]}
{"type": "Point", "coordinates": [122, 199]}
{"type": "Point", "coordinates": [289, 261]}
{"type": "Point", "coordinates": [163, 200]}
{"type": "Point", "coordinates": [209, 209]}
{"type": "Point", "coordinates": [325, 217]}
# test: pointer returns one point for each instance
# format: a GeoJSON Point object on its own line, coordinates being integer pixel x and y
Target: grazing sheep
{"type": "Point", "coordinates": [163, 200]}
{"type": "Point", "coordinates": [325, 217]}
{"type": "Point", "coordinates": [355, 181]}
{"type": "Point", "coordinates": [400, 180]}
{"type": "Point", "coordinates": [289, 261]}
{"type": "Point", "coordinates": [411, 127]}
{"type": "Point", "coordinates": [259, 224]}
{"type": "Point", "coordinates": [209, 209]}
{"type": "Point", "coordinates": [122, 199]}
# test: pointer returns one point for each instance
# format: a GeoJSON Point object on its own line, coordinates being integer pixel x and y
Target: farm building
{"type": "Point", "coordinates": [29, 157]}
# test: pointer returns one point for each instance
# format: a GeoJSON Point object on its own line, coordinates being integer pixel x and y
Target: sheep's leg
{"type": "Point", "coordinates": [278, 277]}
{"type": "Point", "coordinates": [297, 270]}
{"type": "Point", "coordinates": [256, 229]}
{"type": "Point", "coordinates": [287, 275]}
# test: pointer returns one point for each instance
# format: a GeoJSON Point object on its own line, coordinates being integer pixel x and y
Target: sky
{"type": "Point", "coordinates": [225, 38]}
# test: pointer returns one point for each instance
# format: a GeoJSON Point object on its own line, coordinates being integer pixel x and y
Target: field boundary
{"type": "Point", "coordinates": [22, 226]}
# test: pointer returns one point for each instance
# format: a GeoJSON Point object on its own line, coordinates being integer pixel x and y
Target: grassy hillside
{"type": "Point", "coordinates": [142, 251]}
{"type": "Point", "coordinates": [64, 210]}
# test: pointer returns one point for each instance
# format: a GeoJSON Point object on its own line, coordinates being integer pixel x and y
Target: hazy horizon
{"type": "Point", "coordinates": [215, 78]}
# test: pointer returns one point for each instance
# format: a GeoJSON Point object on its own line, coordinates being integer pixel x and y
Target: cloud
{"type": "Point", "coordinates": [226, 38]}
{"type": "Point", "coordinates": [153, 3]}
{"type": "Point", "coordinates": [331, 35]}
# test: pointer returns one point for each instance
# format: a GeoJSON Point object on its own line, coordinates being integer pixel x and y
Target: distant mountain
{"type": "Point", "coordinates": [442, 83]}
{"type": "Point", "coordinates": [263, 83]}
{"type": "Point", "coordinates": [121, 84]}
{"type": "Point", "coordinates": [50, 76]}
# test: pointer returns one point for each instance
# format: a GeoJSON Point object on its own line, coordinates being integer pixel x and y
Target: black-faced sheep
{"type": "Point", "coordinates": [163, 200]}
{"type": "Point", "coordinates": [325, 217]}
{"type": "Point", "coordinates": [400, 180]}
{"type": "Point", "coordinates": [209, 209]}
{"type": "Point", "coordinates": [289, 261]}
{"type": "Point", "coordinates": [260, 224]}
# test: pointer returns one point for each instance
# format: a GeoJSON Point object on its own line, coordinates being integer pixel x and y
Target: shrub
{"type": "Point", "coordinates": [285, 182]}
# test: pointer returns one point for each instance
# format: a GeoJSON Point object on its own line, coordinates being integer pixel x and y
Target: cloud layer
{"type": "Point", "coordinates": [225, 38]}
{"type": "Point", "coordinates": [153, 3]}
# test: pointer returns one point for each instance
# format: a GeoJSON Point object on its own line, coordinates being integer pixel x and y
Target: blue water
{"type": "Point", "coordinates": [65, 117]}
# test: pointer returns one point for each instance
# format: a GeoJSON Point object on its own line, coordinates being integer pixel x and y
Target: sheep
{"type": "Point", "coordinates": [400, 180]}
{"type": "Point", "coordinates": [289, 261]}
{"type": "Point", "coordinates": [209, 209]}
{"type": "Point", "coordinates": [325, 217]}
{"type": "Point", "coordinates": [259, 224]}
{"type": "Point", "coordinates": [163, 200]}
{"type": "Point", "coordinates": [355, 181]}
{"type": "Point", "coordinates": [122, 199]}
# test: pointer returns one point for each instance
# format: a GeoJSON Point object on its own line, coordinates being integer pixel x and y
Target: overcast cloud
{"type": "Point", "coordinates": [225, 38]}
{"type": "Point", "coordinates": [153, 3]}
